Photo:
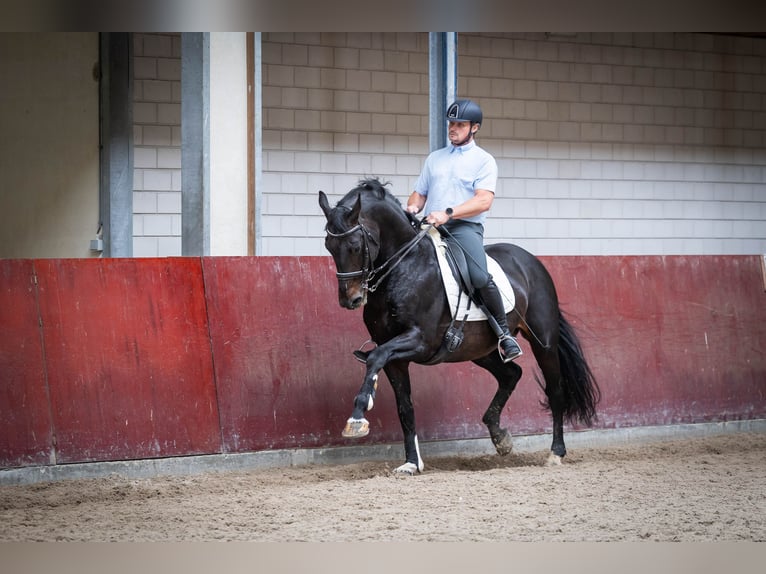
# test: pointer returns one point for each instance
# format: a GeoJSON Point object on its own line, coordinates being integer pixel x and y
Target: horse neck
{"type": "Point", "coordinates": [394, 232]}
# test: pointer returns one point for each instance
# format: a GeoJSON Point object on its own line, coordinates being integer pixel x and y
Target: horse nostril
{"type": "Point", "coordinates": [356, 301]}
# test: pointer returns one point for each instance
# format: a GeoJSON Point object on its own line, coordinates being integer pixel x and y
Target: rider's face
{"type": "Point", "coordinates": [458, 132]}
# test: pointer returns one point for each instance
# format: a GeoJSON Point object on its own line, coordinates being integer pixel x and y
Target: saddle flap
{"type": "Point", "coordinates": [458, 264]}
{"type": "Point", "coordinates": [454, 285]}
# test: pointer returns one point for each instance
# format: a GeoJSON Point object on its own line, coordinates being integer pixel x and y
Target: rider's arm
{"type": "Point", "coordinates": [479, 203]}
{"type": "Point", "coordinates": [415, 203]}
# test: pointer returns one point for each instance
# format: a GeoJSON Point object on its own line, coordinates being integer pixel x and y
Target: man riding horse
{"type": "Point", "coordinates": [456, 187]}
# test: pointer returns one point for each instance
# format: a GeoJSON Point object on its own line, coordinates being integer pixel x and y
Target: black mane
{"type": "Point", "coordinates": [373, 187]}
{"type": "Point", "coordinates": [368, 188]}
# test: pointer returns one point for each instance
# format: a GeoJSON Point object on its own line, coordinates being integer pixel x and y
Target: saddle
{"type": "Point", "coordinates": [458, 287]}
{"type": "Point", "coordinates": [457, 284]}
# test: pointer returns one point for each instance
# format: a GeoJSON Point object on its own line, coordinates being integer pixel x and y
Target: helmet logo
{"type": "Point", "coordinates": [453, 111]}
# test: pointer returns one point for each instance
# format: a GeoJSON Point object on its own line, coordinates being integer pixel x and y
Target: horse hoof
{"type": "Point", "coordinates": [356, 428]}
{"type": "Point", "coordinates": [553, 460]}
{"type": "Point", "coordinates": [504, 445]}
{"type": "Point", "coordinates": [408, 468]}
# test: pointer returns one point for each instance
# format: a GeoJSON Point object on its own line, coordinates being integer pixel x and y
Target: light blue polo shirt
{"type": "Point", "coordinates": [451, 174]}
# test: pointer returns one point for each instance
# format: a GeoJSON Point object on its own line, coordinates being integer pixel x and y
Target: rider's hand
{"type": "Point", "coordinates": [437, 218]}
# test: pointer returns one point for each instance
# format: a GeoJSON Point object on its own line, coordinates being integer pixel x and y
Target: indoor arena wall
{"type": "Point", "coordinates": [120, 359]}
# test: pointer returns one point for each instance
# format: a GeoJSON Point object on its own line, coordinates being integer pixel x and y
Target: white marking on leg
{"type": "Point", "coordinates": [411, 468]}
{"type": "Point", "coordinates": [370, 402]}
{"type": "Point", "coordinates": [421, 466]}
{"type": "Point", "coordinates": [407, 468]}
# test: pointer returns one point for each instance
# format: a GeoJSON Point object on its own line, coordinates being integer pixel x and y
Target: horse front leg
{"type": "Point", "coordinates": [402, 347]}
{"type": "Point", "coordinates": [357, 426]}
{"type": "Point", "coordinates": [399, 376]}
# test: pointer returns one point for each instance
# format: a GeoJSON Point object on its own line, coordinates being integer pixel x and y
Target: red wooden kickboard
{"type": "Point", "coordinates": [675, 339]}
{"type": "Point", "coordinates": [128, 353]}
{"type": "Point", "coordinates": [25, 431]}
{"type": "Point", "coordinates": [282, 351]}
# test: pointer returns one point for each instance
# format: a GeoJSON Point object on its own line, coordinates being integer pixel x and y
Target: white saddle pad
{"type": "Point", "coordinates": [451, 286]}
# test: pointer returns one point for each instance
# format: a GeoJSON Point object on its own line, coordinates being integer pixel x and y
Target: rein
{"type": "Point", "coordinates": [390, 263]}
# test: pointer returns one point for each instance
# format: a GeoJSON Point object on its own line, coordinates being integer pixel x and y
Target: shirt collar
{"type": "Point", "coordinates": [463, 148]}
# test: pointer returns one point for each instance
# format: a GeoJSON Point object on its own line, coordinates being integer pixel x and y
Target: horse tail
{"type": "Point", "coordinates": [581, 390]}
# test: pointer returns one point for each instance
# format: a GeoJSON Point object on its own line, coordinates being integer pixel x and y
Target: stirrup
{"type": "Point", "coordinates": [515, 355]}
{"type": "Point", "coordinates": [360, 355]}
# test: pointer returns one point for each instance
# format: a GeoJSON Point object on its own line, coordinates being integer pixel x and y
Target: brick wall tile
{"type": "Point", "coordinates": [144, 157]}
{"type": "Point", "coordinates": [157, 45]}
{"type": "Point", "coordinates": [294, 55]}
{"type": "Point", "coordinates": [359, 164]}
{"type": "Point", "coordinates": [168, 203]}
{"type": "Point", "coordinates": [169, 68]}
{"type": "Point", "coordinates": [333, 162]}
{"type": "Point", "coordinates": [169, 114]}
{"type": "Point", "coordinates": [157, 180]}
{"type": "Point", "coordinates": [145, 247]}
{"type": "Point", "coordinates": [169, 158]}
{"type": "Point", "coordinates": [143, 202]}
{"type": "Point", "coordinates": [156, 135]}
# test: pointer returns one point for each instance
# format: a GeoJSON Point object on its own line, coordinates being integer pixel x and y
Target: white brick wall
{"type": "Point", "coordinates": [337, 107]}
{"type": "Point", "coordinates": [623, 143]}
{"type": "Point", "coordinates": [607, 143]}
{"type": "Point", "coordinates": [157, 145]}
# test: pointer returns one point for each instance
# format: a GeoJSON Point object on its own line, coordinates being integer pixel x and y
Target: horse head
{"type": "Point", "coordinates": [353, 244]}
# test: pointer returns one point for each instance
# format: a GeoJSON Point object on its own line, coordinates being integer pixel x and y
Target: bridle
{"type": "Point", "coordinates": [367, 238]}
{"type": "Point", "coordinates": [369, 274]}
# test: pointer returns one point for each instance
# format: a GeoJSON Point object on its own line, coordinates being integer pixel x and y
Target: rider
{"type": "Point", "coordinates": [456, 187]}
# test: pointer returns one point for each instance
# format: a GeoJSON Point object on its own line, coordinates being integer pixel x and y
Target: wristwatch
{"type": "Point", "coordinates": [449, 212]}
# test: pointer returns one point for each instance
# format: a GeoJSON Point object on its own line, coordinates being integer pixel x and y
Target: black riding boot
{"type": "Point", "coordinates": [493, 302]}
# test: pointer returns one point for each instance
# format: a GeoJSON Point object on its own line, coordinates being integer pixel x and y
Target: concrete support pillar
{"type": "Point", "coordinates": [442, 83]}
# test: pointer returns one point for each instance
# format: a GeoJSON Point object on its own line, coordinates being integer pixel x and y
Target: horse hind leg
{"type": "Point", "coordinates": [507, 375]}
{"type": "Point", "coordinates": [570, 386]}
{"type": "Point", "coordinates": [549, 363]}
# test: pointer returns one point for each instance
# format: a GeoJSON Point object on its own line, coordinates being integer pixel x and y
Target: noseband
{"type": "Point", "coordinates": [367, 272]}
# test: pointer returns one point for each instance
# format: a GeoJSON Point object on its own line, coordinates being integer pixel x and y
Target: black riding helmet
{"type": "Point", "coordinates": [464, 111]}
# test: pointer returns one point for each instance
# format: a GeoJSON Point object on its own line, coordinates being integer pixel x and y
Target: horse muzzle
{"type": "Point", "coordinates": [352, 298]}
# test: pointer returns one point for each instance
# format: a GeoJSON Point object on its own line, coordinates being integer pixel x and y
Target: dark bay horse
{"type": "Point", "coordinates": [382, 264]}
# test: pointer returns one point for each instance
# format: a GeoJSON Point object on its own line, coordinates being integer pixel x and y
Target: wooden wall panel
{"type": "Point", "coordinates": [282, 349]}
{"type": "Point", "coordinates": [128, 358]}
{"type": "Point", "coordinates": [25, 422]}
{"type": "Point", "coordinates": [672, 339]}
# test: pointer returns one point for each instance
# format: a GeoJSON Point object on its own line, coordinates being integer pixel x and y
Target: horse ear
{"type": "Point", "coordinates": [354, 215]}
{"type": "Point", "coordinates": [324, 204]}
